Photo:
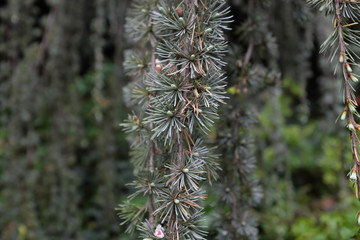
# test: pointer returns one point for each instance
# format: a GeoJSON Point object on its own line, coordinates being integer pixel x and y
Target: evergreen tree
{"type": "Point", "coordinates": [180, 88]}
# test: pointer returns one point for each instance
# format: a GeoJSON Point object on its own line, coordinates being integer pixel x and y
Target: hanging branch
{"type": "Point", "coordinates": [180, 89]}
{"type": "Point", "coordinates": [251, 38]}
{"type": "Point", "coordinates": [141, 63]}
{"type": "Point", "coordinates": [187, 89]}
{"type": "Point", "coordinates": [346, 14]}
{"type": "Point", "coordinates": [152, 144]}
{"type": "Point", "coordinates": [99, 31]}
{"type": "Point", "coordinates": [350, 100]}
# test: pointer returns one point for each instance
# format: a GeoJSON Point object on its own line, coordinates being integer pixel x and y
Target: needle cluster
{"type": "Point", "coordinates": [341, 45]}
{"type": "Point", "coordinates": [180, 86]}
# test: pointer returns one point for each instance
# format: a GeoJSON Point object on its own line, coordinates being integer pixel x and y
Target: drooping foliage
{"type": "Point", "coordinates": [341, 45]}
{"type": "Point", "coordinates": [180, 93]}
{"type": "Point", "coordinates": [140, 63]}
{"type": "Point", "coordinates": [239, 189]}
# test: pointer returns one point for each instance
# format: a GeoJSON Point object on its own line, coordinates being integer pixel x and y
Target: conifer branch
{"type": "Point", "coordinates": [148, 177]}
{"type": "Point", "coordinates": [239, 186]}
{"type": "Point", "coordinates": [346, 14]}
{"type": "Point", "coordinates": [183, 88]}
{"type": "Point", "coordinates": [350, 102]}
{"type": "Point", "coordinates": [152, 144]}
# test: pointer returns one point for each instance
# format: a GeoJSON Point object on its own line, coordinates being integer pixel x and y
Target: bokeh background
{"type": "Point", "coordinates": [64, 159]}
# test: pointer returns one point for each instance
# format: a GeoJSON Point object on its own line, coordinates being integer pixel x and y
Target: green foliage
{"type": "Point", "coordinates": [133, 215]}
{"type": "Point", "coordinates": [316, 167]}
{"type": "Point", "coordinates": [180, 93]}
{"type": "Point", "coordinates": [337, 224]}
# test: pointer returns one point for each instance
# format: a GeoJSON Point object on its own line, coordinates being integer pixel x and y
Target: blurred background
{"type": "Point", "coordinates": [64, 159]}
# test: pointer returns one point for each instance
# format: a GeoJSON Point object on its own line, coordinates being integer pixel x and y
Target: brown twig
{"type": "Point", "coordinates": [250, 48]}
{"type": "Point", "coordinates": [349, 1]}
{"type": "Point", "coordinates": [44, 41]}
{"type": "Point", "coordinates": [187, 49]}
{"type": "Point", "coordinates": [152, 145]}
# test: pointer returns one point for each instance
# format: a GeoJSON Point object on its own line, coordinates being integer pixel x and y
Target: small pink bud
{"type": "Point", "coordinates": [159, 231]}
{"type": "Point", "coordinates": [158, 65]}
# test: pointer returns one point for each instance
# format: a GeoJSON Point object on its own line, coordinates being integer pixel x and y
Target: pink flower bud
{"type": "Point", "coordinates": [159, 231]}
